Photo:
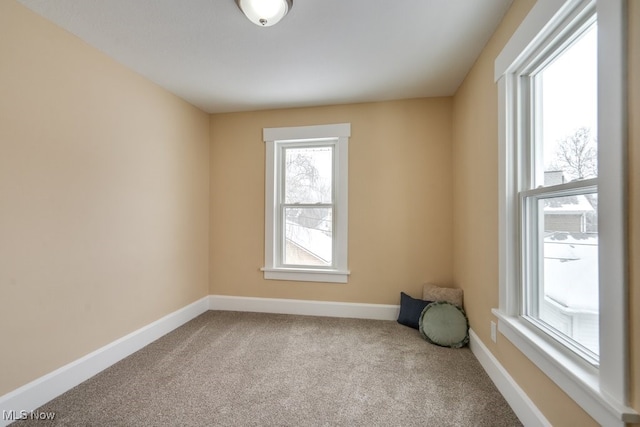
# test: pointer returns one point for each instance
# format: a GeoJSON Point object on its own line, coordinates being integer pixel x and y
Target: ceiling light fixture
{"type": "Point", "coordinates": [265, 13]}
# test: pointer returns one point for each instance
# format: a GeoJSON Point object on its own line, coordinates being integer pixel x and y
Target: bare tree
{"type": "Point", "coordinates": [304, 184]}
{"type": "Point", "coordinates": [302, 177]}
{"type": "Point", "coordinates": [577, 155]}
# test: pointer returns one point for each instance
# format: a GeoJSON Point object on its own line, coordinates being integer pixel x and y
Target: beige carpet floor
{"type": "Point", "coordinates": [251, 369]}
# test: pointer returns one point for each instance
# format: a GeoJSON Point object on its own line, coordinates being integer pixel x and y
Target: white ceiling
{"type": "Point", "coordinates": [323, 52]}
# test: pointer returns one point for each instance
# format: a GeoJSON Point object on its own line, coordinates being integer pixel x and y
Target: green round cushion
{"type": "Point", "coordinates": [444, 324]}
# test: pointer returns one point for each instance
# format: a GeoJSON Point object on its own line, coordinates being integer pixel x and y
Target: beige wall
{"type": "Point", "coordinates": [475, 155]}
{"type": "Point", "coordinates": [104, 185]}
{"type": "Point", "coordinates": [399, 200]}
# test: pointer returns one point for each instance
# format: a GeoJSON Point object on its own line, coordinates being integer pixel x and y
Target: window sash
{"type": "Point", "coordinates": [529, 177]}
{"type": "Point", "coordinates": [280, 232]}
{"type": "Point", "coordinates": [532, 260]}
{"type": "Point", "coordinates": [283, 146]}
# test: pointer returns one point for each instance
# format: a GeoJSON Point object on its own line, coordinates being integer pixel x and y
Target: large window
{"type": "Point", "coordinates": [306, 203]}
{"type": "Point", "coordinates": [559, 195]}
{"type": "Point", "coordinates": [562, 200]}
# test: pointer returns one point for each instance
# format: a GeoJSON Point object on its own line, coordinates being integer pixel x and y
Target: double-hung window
{"type": "Point", "coordinates": [562, 200]}
{"type": "Point", "coordinates": [306, 203]}
{"type": "Point", "coordinates": [558, 194]}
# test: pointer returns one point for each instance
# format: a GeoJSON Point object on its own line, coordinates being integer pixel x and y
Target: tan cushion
{"type": "Point", "coordinates": [432, 292]}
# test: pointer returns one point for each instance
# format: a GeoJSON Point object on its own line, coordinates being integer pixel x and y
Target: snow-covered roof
{"type": "Point", "coordinates": [316, 242]}
{"type": "Point", "coordinates": [568, 205]}
{"type": "Point", "coordinates": [571, 270]}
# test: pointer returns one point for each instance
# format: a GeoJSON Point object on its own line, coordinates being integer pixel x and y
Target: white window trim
{"type": "Point", "coordinates": [340, 273]}
{"type": "Point", "coordinates": [603, 392]}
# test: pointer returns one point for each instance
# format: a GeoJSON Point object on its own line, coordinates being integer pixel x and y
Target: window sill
{"type": "Point", "coordinates": [306, 275]}
{"type": "Point", "coordinates": [579, 380]}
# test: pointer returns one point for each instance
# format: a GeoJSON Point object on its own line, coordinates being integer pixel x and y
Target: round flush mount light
{"type": "Point", "coordinates": [265, 13]}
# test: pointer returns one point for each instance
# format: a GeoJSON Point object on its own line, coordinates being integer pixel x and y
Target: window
{"type": "Point", "coordinates": [562, 122]}
{"type": "Point", "coordinates": [559, 195]}
{"type": "Point", "coordinates": [306, 203]}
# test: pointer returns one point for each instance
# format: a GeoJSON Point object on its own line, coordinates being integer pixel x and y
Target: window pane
{"type": "Point", "coordinates": [568, 286]}
{"type": "Point", "coordinates": [567, 123]}
{"type": "Point", "coordinates": [308, 236]}
{"type": "Point", "coordinates": [308, 172]}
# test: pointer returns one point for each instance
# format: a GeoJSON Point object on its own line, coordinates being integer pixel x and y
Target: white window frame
{"type": "Point", "coordinates": [275, 139]}
{"type": "Point", "coordinates": [531, 171]}
{"type": "Point", "coordinates": [602, 391]}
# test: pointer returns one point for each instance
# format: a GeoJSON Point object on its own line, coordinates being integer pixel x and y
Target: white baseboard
{"type": "Point", "coordinates": [38, 392]}
{"type": "Point", "coordinates": [523, 407]}
{"type": "Point", "coordinates": [304, 307]}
